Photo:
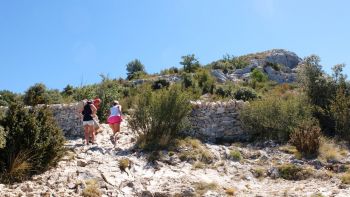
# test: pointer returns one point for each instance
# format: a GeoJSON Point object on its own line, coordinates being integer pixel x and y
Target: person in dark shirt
{"type": "Point", "coordinates": [88, 113]}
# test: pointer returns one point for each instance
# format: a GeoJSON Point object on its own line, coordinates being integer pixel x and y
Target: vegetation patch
{"type": "Point", "coordinates": [235, 155]}
{"type": "Point", "coordinates": [92, 189]}
{"type": "Point", "coordinates": [159, 117]}
{"type": "Point", "coordinates": [329, 150]}
{"type": "Point", "coordinates": [294, 172]}
{"type": "Point", "coordinates": [345, 179]}
{"type": "Point", "coordinates": [274, 117]}
{"type": "Point", "coordinates": [33, 143]}
{"type": "Point", "coordinates": [306, 138]}
{"type": "Point", "coordinates": [230, 191]}
{"type": "Point", "coordinates": [193, 150]}
{"type": "Point", "coordinates": [202, 187]}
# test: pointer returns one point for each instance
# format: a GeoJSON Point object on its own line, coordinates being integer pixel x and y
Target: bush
{"type": "Point", "coordinates": [33, 143]}
{"type": "Point", "coordinates": [235, 155]}
{"type": "Point", "coordinates": [7, 97]}
{"type": "Point", "coordinates": [258, 76]}
{"type": "Point", "coordinates": [159, 84]}
{"type": "Point", "coordinates": [293, 172]}
{"type": "Point", "coordinates": [273, 117]}
{"type": "Point", "coordinates": [340, 109]}
{"type": "Point", "coordinates": [275, 66]}
{"type": "Point", "coordinates": [36, 94]}
{"type": "Point", "coordinates": [245, 94]}
{"type": "Point", "coordinates": [159, 116]}
{"type": "Point", "coordinates": [306, 138]}
{"type": "Point", "coordinates": [205, 81]}
{"type": "Point", "coordinates": [2, 137]}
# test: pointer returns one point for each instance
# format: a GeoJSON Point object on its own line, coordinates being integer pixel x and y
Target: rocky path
{"type": "Point", "coordinates": [97, 169]}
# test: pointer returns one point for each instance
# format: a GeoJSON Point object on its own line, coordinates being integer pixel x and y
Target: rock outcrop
{"type": "Point", "coordinates": [285, 61]}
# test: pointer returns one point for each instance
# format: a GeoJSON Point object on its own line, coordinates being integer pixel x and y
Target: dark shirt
{"type": "Point", "coordinates": [87, 112]}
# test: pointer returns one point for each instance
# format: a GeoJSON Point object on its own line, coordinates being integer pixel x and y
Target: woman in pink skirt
{"type": "Point", "coordinates": [115, 118]}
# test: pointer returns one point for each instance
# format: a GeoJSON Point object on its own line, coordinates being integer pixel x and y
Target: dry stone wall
{"type": "Point", "coordinates": [210, 121]}
{"type": "Point", "coordinates": [217, 121]}
{"type": "Point", "coordinates": [68, 119]}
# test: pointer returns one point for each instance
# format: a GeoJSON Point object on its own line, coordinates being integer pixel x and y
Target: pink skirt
{"type": "Point", "coordinates": [114, 120]}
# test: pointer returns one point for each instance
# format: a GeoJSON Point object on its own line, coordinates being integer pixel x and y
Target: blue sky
{"type": "Point", "coordinates": [73, 41]}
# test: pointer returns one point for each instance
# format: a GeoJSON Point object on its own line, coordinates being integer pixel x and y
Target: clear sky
{"type": "Point", "coordinates": [73, 41]}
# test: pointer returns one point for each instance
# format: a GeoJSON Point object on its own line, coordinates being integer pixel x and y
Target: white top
{"type": "Point", "coordinates": [115, 111]}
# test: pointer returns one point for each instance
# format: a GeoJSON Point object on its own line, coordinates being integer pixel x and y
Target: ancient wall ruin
{"type": "Point", "coordinates": [210, 121]}
{"type": "Point", "coordinates": [217, 121]}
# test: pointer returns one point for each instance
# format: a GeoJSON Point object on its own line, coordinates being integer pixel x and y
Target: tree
{"type": "Point", "coordinates": [7, 97]}
{"type": "Point", "coordinates": [68, 90]}
{"type": "Point", "coordinates": [135, 69]}
{"type": "Point", "coordinates": [190, 63]}
{"type": "Point", "coordinates": [315, 83]}
{"type": "Point", "coordinates": [36, 94]}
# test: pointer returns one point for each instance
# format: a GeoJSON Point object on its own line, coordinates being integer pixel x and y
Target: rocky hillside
{"type": "Point", "coordinates": [228, 170]}
{"type": "Point", "coordinates": [279, 65]}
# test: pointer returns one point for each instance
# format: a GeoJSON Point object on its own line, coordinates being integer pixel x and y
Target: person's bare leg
{"type": "Point", "coordinates": [92, 133]}
{"type": "Point", "coordinates": [117, 129]}
{"type": "Point", "coordinates": [86, 133]}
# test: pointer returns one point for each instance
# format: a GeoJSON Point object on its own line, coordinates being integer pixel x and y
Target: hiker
{"type": "Point", "coordinates": [88, 113]}
{"type": "Point", "coordinates": [114, 119]}
{"type": "Point", "coordinates": [96, 103]}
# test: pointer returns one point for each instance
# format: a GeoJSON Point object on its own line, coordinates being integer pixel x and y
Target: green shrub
{"type": "Point", "coordinates": [293, 172]}
{"type": "Point", "coordinates": [306, 138]}
{"type": "Point", "coordinates": [7, 97]}
{"type": "Point", "coordinates": [159, 116]}
{"type": "Point", "coordinates": [33, 143]}
{"type": "Point", "coordinates": [275, 66]}
{"type": "Point", "coordinates": [205, 81]}
{"type": "Point", "coordinates": [235, 155]}
{"type": "Point", "coordinates": [258, 76]}
{"type": "Point", "coordinates": [160, 83]}
{"type": "Point", "coordinates": [274, 117]}
{"type": "Point", "coordinates": [36, 94]}
{"type": "Point", "coordinates": [245, 94]}
{"type": "Point", "coordinates": [340, 109]}
{"type": "Point", "coordinates": [2, 137]}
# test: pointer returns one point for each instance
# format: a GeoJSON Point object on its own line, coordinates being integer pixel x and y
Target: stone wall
{"type": "Point", "coordinates": [68, 118]}
{"type": "Point", "coordinates": [210, 121]}
{"type": "Point", "coordinates": [217, 121]}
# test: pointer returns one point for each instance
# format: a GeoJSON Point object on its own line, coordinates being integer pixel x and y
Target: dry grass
{"type": "Point", "coordinates": [289, 149]}
{"type": "Point", "coordinates": [230, 191]}
{"type": "Point", "coordinates": [92, 189]}
{"type": "Point", "coordinates": [235, 155]}
{"type": "Point", "coordinates": [203, 187]}
{"type": "Point", "coordinates": [329, 150]}
{"type": "Point", "coordinates": [345, 179]}
{"type": "Point", "coordinates": [198, 165]}
{"type": "Point", "coordinates": [193, 150]}
{"type": "Point", "coordinates": [19, 167]}
{"type": "Point", "coordinates": [124, 164]}
{"type": "Point", "coordinates": [258, 172]}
